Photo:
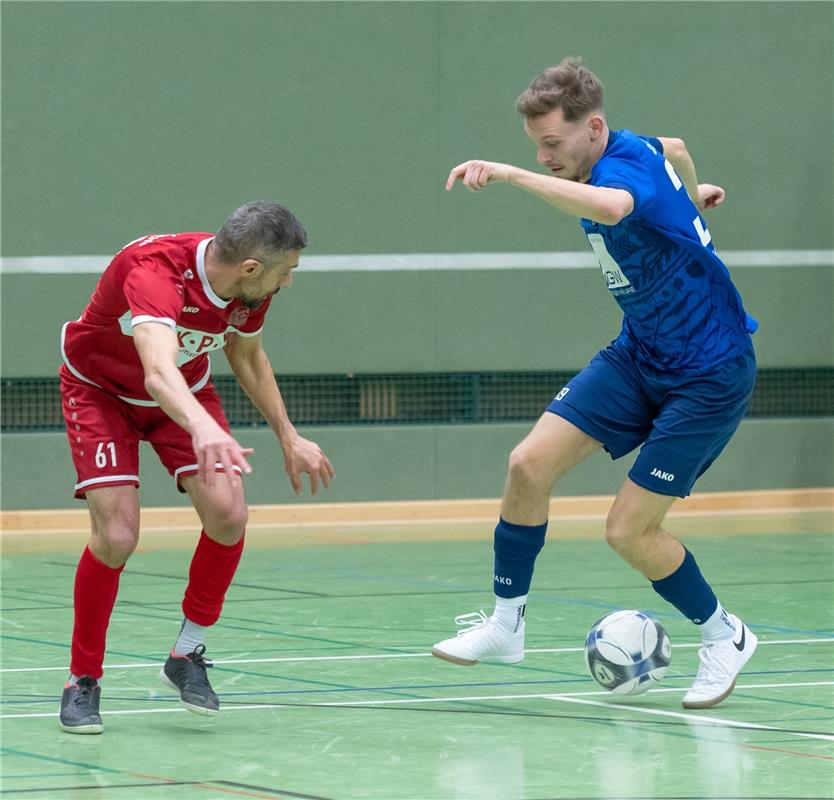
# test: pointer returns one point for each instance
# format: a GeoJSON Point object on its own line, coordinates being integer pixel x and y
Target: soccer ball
{"type": "Point", "coordinates": [627, 652]}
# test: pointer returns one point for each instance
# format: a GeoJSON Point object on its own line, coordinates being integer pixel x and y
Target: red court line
{"type": "Point", "coordinates": [789, 752]}
{"type": "Point", "coordinates": [205, 786]}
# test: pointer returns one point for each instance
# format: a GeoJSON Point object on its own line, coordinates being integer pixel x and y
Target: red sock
{"type": "Point", "coordinates": [96, 586]}
{"type": "Point", "coordinates": [212, 569]}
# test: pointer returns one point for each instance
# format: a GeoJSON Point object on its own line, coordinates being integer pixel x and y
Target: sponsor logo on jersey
{"type": "Point", "coordinates": [615, 278]}
{"type": "Point", "coordinates": [188, 274]}
{"type": "Point", "coordinates": [664, 476]}
{"type": "Point", "coordinates": [195, 343]}
{"type": "Point", "coordinates": [238, 317]}
{"type": "Point", "coordinates": [191, 310]}
{"type": "Point", "coordinates": [562, 393]}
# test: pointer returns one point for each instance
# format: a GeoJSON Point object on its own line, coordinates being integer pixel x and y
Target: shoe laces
{"type": "Point", "coordinates": [197, 659]}
{"type": "Point", "coordinates": [713, 668]}
{"type": "Point", "coordinates": [471, 622]}
{"type": "Point", "coordinates": [84, 690]}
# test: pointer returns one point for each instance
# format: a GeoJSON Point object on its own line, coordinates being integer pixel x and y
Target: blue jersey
{"type": "Point", "coordinates": [681, 309]}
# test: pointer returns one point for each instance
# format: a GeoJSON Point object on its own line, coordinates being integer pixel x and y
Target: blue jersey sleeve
{"type": "Point", "coordinates": [631, 175]}
{"type": "Point", "coordinates": [654, 142]}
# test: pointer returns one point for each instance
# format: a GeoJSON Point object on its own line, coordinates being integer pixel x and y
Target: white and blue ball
{"type": "Point", "coordinates": [628, 652]}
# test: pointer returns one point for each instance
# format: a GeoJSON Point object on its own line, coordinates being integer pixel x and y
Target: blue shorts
{"type": "Point", "coordinates": [682, 421]}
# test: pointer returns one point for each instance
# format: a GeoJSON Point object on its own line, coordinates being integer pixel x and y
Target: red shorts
{"type": "Point", "coordinates": [104, 434]}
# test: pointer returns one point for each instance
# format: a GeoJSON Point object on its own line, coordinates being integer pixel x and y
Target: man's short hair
{"type": "Point", "coordinates": [569, 86]}
{"type": "Point", "coordinates": [260, 230]}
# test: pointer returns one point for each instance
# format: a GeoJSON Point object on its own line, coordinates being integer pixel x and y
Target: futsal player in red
{"type": "Point", "coordinates": [136, 367]}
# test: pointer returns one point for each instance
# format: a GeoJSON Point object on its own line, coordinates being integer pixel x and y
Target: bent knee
{"type": "Point", "coordinates": [624, 535]}
{"type": "Point", "coordinates": [525, 467]}
{"type": "Point", "coordinates": [227, 522]}
{"type": "Point", "coordinates": [114, 544]}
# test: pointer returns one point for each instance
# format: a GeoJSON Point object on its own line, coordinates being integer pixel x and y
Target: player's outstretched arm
{"type": "Point", "coordinates": [157, 346]}
{"type": "Point", "coordinates": [599, 203]}
{"type": "Point", "coordinates": [253, 371]}
{"type": "Point", "coordinates": [705, 196]}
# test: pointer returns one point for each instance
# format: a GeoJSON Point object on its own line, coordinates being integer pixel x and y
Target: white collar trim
{"type": "Point", "coordinates": [201, 271]}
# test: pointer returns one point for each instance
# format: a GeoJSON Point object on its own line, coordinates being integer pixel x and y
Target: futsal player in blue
{"type": "Point", "coordinates": [675, 382]}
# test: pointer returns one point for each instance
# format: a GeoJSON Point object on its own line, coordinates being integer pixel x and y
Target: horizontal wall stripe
{"type": "Point", "coordinates": [410, 262]}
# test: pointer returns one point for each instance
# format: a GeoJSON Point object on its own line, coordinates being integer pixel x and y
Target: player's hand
{"type": "Point", "coordinates": [301, 456]}
{"type": "Point", "coordinates": [214, 446]}
{"type": "Point", "coordinates": [475, 175]}
{"type": "Point", "coordinates": [709, 196]}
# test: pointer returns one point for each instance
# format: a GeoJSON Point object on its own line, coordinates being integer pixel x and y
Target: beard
{"type": "Point", "coordinates": [253, 302]}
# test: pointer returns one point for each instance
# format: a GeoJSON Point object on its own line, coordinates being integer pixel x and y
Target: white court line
{"type": "Point", "coordinates": [729, 723]}
{"type": "Point", "coordinates": [463, 699]}
{"type": "Point", "coordinates": [408, 262]}
{"type": "Point", "coordinates": [282, 659]}
{"type": "Point", "coordinates": [605, 693]}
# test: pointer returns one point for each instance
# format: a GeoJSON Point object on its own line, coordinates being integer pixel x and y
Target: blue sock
{"type": "Point", "coordinates": [516, 548]}
{"type": "Point", "coordinates": [688, 592]}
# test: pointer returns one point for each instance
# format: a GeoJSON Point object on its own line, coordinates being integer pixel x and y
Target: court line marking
{"type": "Point", "coordinates": [410, 262]}
{"type": "Point", "coordinates": [729, 723]}
{"type": "Point", "coordinates": [281, 659]}
{"type": "Point", "coordinates": [458, 699]}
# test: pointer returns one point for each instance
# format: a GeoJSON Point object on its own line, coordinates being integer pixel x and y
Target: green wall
{"type": "Point", "coordinates": [126, 118]}
{"type": "Point", "coordinates": [479, 320]}
{"type": "Point", "coordinates": [423, 462]}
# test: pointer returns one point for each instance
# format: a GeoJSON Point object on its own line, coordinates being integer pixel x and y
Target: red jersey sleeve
{"type": "Point", "coordinates": [154, 292]}
{"type": "Point", "coordinates": [253, 323]}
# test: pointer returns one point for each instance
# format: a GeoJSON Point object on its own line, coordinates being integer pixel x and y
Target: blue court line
{"type": "Point", "coordinates": [66, 646]}
{"type": "Point", "coordinates": [39, 757]}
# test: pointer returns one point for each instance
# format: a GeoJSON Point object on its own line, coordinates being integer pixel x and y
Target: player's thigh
{"type": "Point", "coordinates": [103, 438]}
{"type": "Point", "coordinates": [694, 425]}
{"type": "Point", "coordinates": [607, 402]}
{"type": "Point", "coordinates": [114, 514]}
{"type": "Point", "coordinates": [173, 444]}
{"type": "Point", "coordinates": [552, 447]}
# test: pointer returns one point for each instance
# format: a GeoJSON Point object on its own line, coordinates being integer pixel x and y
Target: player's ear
{"type": "Point", "coordinates": [596, 125]}
{"type": "Point", "coordinates": [250, 267]}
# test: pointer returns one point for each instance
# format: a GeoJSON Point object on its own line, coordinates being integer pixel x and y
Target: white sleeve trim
{"type": "Point", "coordinates": [148, 318]}
{"type": "Point", "coordinates": [231, 329]}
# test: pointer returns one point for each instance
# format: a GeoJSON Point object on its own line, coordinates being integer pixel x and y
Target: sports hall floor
{"type": "Point", "coordinates": [328, 691]}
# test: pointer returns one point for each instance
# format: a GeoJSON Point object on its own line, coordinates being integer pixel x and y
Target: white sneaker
{"type": "Point", "coordinates": [720, 664]}
{"type": "Point", "coordinates": [481, 640]}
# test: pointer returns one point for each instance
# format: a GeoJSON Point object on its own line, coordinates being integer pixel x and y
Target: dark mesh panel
{"type": "Point", "coordinates": [33, 404]}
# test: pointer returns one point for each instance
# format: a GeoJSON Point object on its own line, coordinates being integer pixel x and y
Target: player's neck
{"type": "Point", "coordinates": [596, 153]}
{"type": "Point", "coordinates": [218, 276]}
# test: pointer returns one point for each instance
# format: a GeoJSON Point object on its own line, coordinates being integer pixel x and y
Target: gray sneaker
{"type": "Point", "coordinates": [79, 707]}
{"type": "Point", "coordinates": [187, 675]}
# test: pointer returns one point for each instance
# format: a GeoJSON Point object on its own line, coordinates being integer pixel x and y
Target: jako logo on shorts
{"type": "Point", "coordinates": [664, 476]}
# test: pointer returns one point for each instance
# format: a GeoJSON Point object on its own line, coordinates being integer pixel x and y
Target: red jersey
{"type": "Point", "coordinates": [160, 278]}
